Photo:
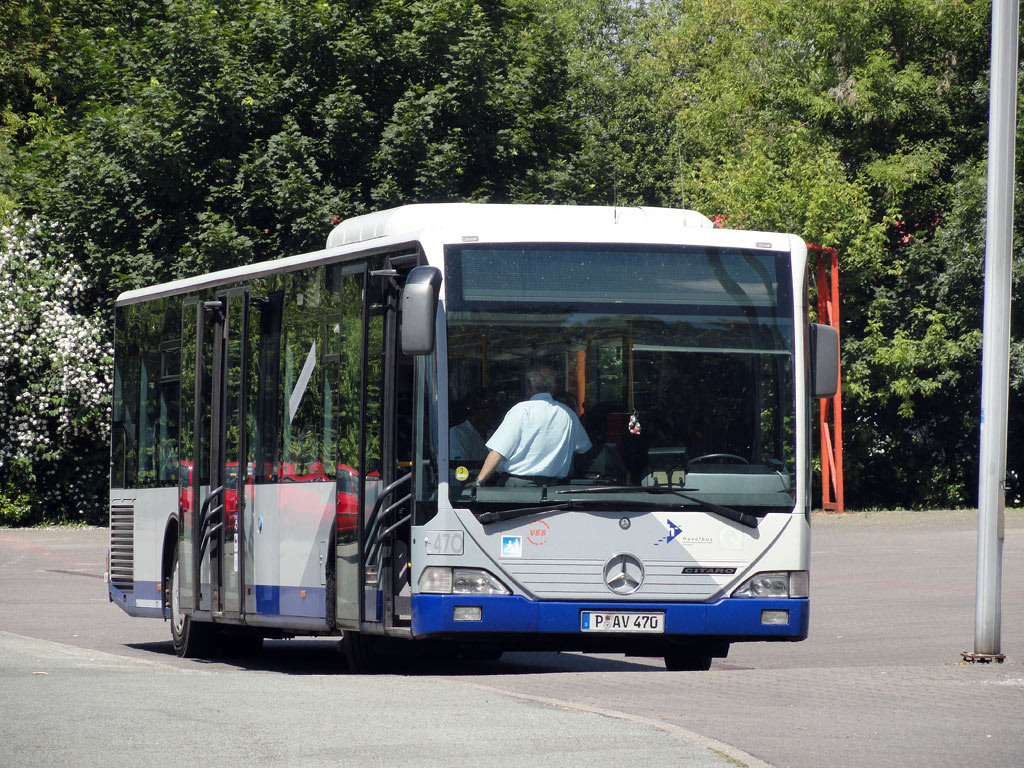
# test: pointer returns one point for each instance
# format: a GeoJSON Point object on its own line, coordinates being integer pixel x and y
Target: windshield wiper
{"type": "Point", "coordinates": [750, 521]}
{"type": "Point", "coordinates": [510, 514]}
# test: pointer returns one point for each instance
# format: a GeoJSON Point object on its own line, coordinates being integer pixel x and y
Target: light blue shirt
{"type": "Point", "coordinates": [538, 437]}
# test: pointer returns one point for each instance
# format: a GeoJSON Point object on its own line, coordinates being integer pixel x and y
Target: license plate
{"type": "Point", "coordinates": [605, 621]}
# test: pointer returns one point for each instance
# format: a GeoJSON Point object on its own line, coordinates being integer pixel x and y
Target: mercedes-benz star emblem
{"type": "Point", "coordinates": [624, 574]}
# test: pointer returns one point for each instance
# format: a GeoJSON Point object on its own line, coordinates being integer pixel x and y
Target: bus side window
{"type": "Point", "coordinates": [126, 397]}
{"type": "Point", "coordinates": [310, 309]}
{"type": "Point", "coordinates": [117, 449]}
{"type": "Point", "coordinates": [147, 381]}
{"type": "Point", "coordinates": [117, 428]}
{"type": "Point", "coordinates": [346, 397]}
{"type": "Point", "coordinates": [263, 388]}
{"type": "Point", "coordinates": [169, 398]}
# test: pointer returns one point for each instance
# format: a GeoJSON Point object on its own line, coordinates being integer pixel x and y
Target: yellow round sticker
{"type": "Point", "coordinates": [461, 474]}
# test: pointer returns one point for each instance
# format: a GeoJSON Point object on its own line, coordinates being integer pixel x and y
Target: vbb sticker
{"type": "Point", "coordinates": [538, 535]}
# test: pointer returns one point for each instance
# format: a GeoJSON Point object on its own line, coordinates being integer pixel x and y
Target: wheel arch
{"type": "Point", "coordinates": [170, 543]}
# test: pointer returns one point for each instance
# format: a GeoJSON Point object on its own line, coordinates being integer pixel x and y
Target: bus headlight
{"type": "Point", "coordinates": [441, 580]}
{"type": "Point", "coordinates": [775, 584]}
{"type": "Point", "coordinates": [435, 580]}
{"type": "Point", "coordinates": [474, 581]}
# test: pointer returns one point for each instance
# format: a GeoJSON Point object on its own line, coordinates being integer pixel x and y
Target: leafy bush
{"type": "Point", "coordinates": [55, 365]}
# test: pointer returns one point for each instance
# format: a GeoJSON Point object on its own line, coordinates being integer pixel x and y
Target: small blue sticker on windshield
{"type": "Point", "coordinates": [511, 546]}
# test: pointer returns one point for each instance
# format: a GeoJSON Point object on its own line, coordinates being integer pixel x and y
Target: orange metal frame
{"type": "Point", "coordinates": [830, 422]}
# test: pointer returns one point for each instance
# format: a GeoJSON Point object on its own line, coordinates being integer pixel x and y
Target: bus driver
{"type": "Point", "coordinates": [535, 443]}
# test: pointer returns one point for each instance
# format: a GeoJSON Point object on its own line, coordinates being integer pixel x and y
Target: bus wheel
{"type": "Point", "coordinates": [361, 653]}
{"type": "Point", "coordinates": [190, 638]}
{"type": "Point", "coordinates": [686, 661]}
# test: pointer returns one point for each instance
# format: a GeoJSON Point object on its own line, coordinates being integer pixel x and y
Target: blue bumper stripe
{"type": "Point", "coordinates": [268, 599]}
{"type": "Point", "coordinates": [729, 617]}
{"type": "Point", "coordinates": [308, 602]}
{"type": "Point", "coordinates": [304, 602]}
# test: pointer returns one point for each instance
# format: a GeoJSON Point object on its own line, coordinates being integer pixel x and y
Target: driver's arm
{"type": "Point", "coordinates": [490, 464]}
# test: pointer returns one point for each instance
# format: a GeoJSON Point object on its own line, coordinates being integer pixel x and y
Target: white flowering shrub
{"type": "Point", "coordinates": [55, 363]}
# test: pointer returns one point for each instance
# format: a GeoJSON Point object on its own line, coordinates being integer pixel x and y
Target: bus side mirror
{"type": "Point", "coordinates": [419, 310]}
{"type": "Point", "coordinates": [824, 360]}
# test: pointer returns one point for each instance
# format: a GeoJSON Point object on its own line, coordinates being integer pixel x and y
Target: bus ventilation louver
{"type": "Point", "coordinates": [122, 527]}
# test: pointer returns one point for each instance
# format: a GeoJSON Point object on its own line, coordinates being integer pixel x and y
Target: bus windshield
{"type": "Point", "coordinates": [677, 362]}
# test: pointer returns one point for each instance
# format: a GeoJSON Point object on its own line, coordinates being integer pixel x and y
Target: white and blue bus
{"type": "Point", "coordinates": [280, 459]}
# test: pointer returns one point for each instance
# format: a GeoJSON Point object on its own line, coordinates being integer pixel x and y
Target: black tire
{"type": "Point", "coordinates": [191, 639]}
{"type": "Point", "coordinates": [686, 661]}
{"type": "Point", "coordinates": [361, 653]}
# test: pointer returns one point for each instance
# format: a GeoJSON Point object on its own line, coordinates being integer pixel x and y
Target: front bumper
{"type": "Point", "coordinates": [731, 619]}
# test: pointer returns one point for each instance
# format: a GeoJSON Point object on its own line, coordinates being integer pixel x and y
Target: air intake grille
{"type": "Point", "coordinates": [122, 540]}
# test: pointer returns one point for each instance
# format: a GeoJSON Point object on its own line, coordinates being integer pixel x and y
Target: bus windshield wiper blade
{"type": "Point", "coordinates": [511, 514]}
{"type": "Point", "coordinates": [750, 521]}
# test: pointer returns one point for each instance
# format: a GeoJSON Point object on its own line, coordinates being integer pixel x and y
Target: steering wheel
{"type": "Point", "coordinates": [726, 458]}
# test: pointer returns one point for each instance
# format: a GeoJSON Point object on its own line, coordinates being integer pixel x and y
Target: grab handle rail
{"type": "Point", "coordinates": [374, 537]}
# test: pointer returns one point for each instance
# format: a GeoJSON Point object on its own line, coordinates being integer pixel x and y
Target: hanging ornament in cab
{"type": "Point", "coordinates": [634, 423]}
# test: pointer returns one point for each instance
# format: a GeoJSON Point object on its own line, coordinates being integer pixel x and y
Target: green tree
{"type": "Point", "coordinates": [166, 139]}
{"type": "Point", "coordinates": [859, 126]}
{"type": "Point", "coordinates": [170, 138]}
{"type": "Point", "coordinates": [204, 134]}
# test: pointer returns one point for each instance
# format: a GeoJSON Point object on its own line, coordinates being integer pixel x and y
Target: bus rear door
{"type": "Point", "coordinates": [212, 534]}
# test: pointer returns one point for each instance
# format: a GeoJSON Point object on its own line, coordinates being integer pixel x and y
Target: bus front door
{"type": "Point", "coordinates": [213, 534]}
{"type": "Point", "coordinates": [387, 542]}
{"type": "Point", "coordinates": [373, 549]}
